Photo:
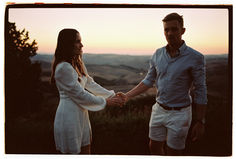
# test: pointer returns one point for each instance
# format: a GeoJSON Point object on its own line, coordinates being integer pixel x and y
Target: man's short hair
{"type": "Point", "coordinates": [174, 16]}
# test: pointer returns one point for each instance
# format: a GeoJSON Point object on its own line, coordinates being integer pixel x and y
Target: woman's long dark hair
{"type": "Point", "coordinates": [65, 52]}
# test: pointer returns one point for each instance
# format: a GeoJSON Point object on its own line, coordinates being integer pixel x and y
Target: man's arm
{"type": "Point", "coordinates": [200, 98]}
{"type": "Point", "coordinates": [146, 83]}
{"type": "Point", "coordinates": [140, 88]}
{"type": "Point", "coordinates": [199, 127]}
{"type": "Point", "coordinates": [200, 112]}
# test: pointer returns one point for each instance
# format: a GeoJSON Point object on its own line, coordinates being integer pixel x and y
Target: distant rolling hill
{"type": "Point", "coordinates": [139, 62]}
{"type": "Point", "coordinates": [128, 61]}
{"type": "Point", "coordinates": [117, 69]}
{"type": "Point", "coordinates": [126, 70]}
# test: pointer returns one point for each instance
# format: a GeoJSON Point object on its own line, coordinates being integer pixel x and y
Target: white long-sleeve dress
{"type": "Point", "coordinates": [71, 125]}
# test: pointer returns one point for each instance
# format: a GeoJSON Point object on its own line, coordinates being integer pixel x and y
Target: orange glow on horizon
{"type": "Point", "coordinates": [123, 30]}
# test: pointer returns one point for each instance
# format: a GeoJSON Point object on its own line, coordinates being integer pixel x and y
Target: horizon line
{"type": "Point", "coordinates": [44, 53]}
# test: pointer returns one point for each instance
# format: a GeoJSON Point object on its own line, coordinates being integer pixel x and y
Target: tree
{"type": "Point", "coordinates": [22, 77]}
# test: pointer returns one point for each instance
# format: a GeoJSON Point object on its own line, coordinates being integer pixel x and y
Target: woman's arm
{"type": "Point", "coordinates": [96, 89]}
{"type": "Point", "coordinates": [67, 80]}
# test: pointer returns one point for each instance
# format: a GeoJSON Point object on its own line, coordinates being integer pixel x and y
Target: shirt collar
{"type": "Point", "coordinates": [181, 49]}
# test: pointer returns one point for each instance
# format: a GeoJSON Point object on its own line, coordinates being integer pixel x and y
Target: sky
{"type": "Point", "coordinates": [133, 31]}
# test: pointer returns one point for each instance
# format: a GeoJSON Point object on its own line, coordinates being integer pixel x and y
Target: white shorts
{"type": "Point", "coordinates": [170, 125]}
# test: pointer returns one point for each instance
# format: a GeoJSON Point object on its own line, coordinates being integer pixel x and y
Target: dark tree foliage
{"type": "Point", "coordinates": [22, 77]}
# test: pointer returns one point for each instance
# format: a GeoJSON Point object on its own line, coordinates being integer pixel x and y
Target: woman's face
{"type": "Point", "coordinates": [78, 45]}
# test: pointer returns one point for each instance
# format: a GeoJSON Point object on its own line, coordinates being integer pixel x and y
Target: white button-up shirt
{"type": "Point", "coordinates": [173, 77]}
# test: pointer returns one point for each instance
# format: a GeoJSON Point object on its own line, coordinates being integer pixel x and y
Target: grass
{"type": "Point", "coordinates": [120, 131]}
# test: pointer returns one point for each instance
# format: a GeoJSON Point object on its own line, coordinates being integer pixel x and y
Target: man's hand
{"type": "Point", "coordinates": [118, 100]}
{"type": "Point", "coordinates": [122, 96]}
{"type": "Point", "coordinates": [199, 127]}
{"type": "Point", "coordinates": [197, 131]}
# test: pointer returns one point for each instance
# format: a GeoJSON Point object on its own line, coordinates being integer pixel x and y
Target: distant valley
{"type": "Point", "coordinates": [122, 72]}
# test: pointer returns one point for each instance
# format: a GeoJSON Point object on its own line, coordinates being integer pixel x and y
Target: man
{"type": "Point", "coordinates": [174, 69]}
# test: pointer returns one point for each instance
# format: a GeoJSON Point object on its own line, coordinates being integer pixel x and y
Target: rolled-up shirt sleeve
{"type": "Point", "coordinates": [150, 78]}
{"type": "Point", "coordinates": [67, 80]}
{"type": "Point", "coordinates": [199, 81]}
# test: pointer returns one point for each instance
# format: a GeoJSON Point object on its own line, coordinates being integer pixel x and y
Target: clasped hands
{"type": "Point", "coordinates": [118, 100]}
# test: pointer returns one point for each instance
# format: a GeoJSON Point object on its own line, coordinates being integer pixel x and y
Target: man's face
{"type": "Point", "coordinates": [173, 32]}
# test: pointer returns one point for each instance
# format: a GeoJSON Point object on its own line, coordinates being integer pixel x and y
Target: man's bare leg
{"type": "Point", "coordinates": [156, 147]}
{"type": "Point", "coordinates": [173, 152]}
{"type": "Point", "coordinates": [86, 149]}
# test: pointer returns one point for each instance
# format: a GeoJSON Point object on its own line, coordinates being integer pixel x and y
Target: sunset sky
{"type": "Point", "coordinates": [135, 31]}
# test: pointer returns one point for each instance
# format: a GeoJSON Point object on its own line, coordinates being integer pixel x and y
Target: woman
{"type": "Point", "coordinates": [72, 130]}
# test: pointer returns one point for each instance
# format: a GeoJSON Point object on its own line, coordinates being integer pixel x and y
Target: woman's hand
{"type": "Point", "coordinates": [118, 100]}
